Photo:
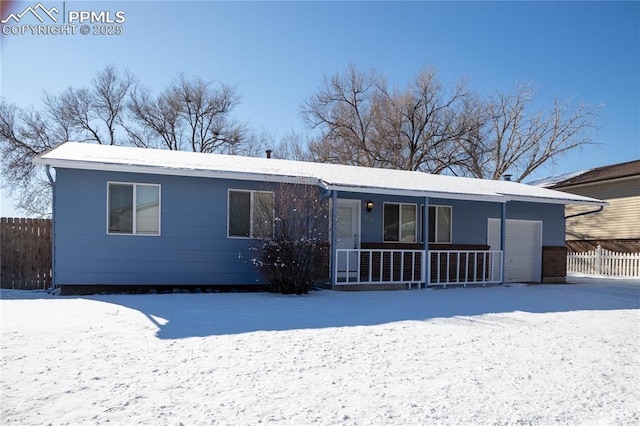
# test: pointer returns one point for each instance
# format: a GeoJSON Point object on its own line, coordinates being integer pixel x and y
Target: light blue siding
{"type": "Point", "coordinates": [371, 222]}
{"type": "Point", "coordinates": [551, 215]}
{"type": "Point", "coordinates": [193, 248]}
{"type": "Point", "coordinates": [469, 218]}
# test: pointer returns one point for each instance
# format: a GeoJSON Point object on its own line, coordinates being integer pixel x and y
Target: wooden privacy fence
{"type": "Point", "coordinates": [25, 253]}
{"type": "Point", "coordinates": [604, 262]}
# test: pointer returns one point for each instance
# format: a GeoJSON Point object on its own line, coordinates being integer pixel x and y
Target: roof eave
{"type": "Point", "coordinates": [570, 186]}
{"type": "Point", "coordinates": [419, 193]}
{"type": "Point", "coordinates": [564, 201]}
{"type": "Point", "coordinates": [129, 168]}
{"type": "Point", "coordinates": [308, 180]}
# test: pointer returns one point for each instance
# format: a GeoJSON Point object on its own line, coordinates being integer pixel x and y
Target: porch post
{"type": "Point", "coordinates": [334, 226]}
{"type": "Point", "coordinates": [426, 261]}
{"type": "Point", "coordinates": [54, 269]}
{"type": "Point", "coordinates": [503, 231]}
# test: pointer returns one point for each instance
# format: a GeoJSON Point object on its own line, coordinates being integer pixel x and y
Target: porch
{"type": "Point", "coordinates": [382, 268]}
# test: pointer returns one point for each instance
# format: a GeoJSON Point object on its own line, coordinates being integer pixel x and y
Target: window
{"type": "Point", "coordinates": [400, 222]}
{"type": "Point", "coordinates": [250, 214]}
{"type": "Point", "coordinates": [440, 224]}
{"type": "Point", "coordinates": [134, 209]}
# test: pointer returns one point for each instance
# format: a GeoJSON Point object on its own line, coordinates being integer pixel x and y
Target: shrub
{"type": "Point", "coordinates": [288, 265]}
{"type": "Point", "coordinates": [287, 259]}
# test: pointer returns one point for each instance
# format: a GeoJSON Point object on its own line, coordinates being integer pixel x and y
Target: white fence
{"type": "Point", "coordinates": [604, 262]}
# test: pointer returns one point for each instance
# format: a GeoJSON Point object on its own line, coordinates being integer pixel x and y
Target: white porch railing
{"type": "Point", "coordinates": [379, 266]}
{"type": "Point", "coordinates": [445, 267]}
{"type": "Point", "coordinates": [464, 267]}
{"type": "Point", "coordinates": [604, 262]}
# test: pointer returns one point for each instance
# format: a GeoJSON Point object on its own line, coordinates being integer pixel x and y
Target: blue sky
{"type": "Point", "coordinates": [276, 54]}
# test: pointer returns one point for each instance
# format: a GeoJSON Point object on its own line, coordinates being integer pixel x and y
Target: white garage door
{"type": "Point", "coordinates": [523, 248]}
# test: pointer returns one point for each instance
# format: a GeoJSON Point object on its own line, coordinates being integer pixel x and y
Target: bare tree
{"type": "Point", "coordinates": [93, 114]}
{"type": "Point", "coordinates": [517, 139]}
{"type": "Point", "coordinates": [417, 128]}
{"type": "Point", "coordinates": [190, 114]}
{"type": "Point", "coordinates": [96, 113]}
{"type": "Point", "coordinates": [293, 146]}
{"type": "Point", "coordinates": [359, 120]}
{"type": "Point", "coordinates": [107, 96]}
{"type": "Point", "coordinates": [23, 135]}
{"type": "Point", "coordinates": [156, 120]}
{"type": "Point", "coordinates": [254, 144]}
{"type": "Point", "coordinates": [343, 113]}
{"type": "Point", "coordinates": [470, 122]}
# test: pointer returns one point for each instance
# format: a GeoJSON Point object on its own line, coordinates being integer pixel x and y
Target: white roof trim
{"type": "Point", "coordinates": [168, 171]}
{"type": "Point", "coordinates": [329, 176]}
{"type": "Point", "coordinates": [564, 201]}
{"type": "Point", "coordinates": [414, 193]}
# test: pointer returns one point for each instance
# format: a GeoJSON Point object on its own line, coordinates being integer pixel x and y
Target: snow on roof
{"type": "Point", "coordinates": [549, 181]}
{"type": "Point", "coordinates": [86, 156]}
{"type": "Point", "coordinates": [599, 174]}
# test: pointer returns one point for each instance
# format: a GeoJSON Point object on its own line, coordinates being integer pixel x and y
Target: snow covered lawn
{"type": "Point", "coordinates": [566, 354]}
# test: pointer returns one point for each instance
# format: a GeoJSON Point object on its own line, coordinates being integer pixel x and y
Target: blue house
{"type": "Point", "coordinates": [127, 216]}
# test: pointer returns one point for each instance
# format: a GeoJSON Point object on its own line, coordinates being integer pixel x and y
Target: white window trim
{"type": "Point", "coordinates": [252, 192]}
{"type": "Point", "coordinates": [135, 189]}
{"type": "Point", "coordinates": [415, 236]}
{"type": "Point", "coordinates": [425, 231]}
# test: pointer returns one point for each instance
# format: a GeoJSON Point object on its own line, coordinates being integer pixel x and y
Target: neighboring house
{"type": "Point", "coordinates": [132, 217]}
{"type": "Point", "coordinates": [617, 226]}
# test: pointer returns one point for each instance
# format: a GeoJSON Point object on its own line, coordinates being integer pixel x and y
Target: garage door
{"type": "Point", "coordinates": [523, 248]}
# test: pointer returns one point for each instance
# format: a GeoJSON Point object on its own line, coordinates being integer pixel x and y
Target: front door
{"type": "Point", "coordinates": [348, 237]}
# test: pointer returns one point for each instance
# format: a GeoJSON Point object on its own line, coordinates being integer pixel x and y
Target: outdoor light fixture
{"type": "Point", "coordinates": [369, 206]}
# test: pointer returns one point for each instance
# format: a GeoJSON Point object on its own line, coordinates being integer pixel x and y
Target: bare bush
{"type": "Point", "coordinates": [287, 259]}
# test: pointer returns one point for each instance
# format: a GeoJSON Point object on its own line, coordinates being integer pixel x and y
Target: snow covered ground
{"type": "Point", "coordinates": [563, 354]}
